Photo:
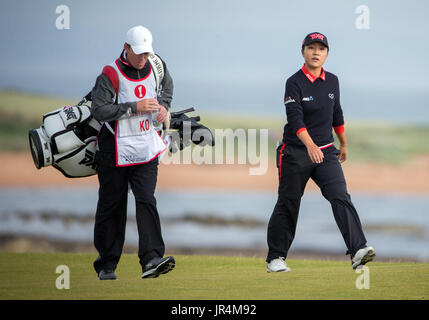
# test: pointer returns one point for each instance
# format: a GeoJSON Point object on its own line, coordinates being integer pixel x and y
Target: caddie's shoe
{"type": "Point", "coordinates": [278, 265]}
{"type": "Point", "coordinates": [158, 266]}
{"type": "Point", "coordinates": [363, 256]}
{"type": "Point", "coordinates": [107, 275]}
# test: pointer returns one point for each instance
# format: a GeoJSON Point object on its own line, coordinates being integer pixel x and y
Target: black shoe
{"type": "Point", "coordinates": [158, 266]}
{"type": "Point", "coordinates": [107, 275]}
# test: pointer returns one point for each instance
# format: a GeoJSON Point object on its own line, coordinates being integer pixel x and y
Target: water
{"type": "Point", "coordinates": [396, 225]}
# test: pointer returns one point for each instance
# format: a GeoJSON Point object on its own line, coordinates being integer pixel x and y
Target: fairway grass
{"type": "Point", "coordinates": [33, 276]}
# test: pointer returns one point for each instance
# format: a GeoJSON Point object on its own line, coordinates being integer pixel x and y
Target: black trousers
{"type": "Point", "coordinates": [111, 215]}
{"type": "Point", "coordinates": [295, 168]}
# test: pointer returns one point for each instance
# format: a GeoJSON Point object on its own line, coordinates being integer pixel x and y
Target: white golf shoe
{"type": "Point", "coordinates": [278, 265]}
{"type": "Point", "coordinates": [363, 256]}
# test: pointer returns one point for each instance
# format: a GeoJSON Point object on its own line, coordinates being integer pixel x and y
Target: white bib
{"type": "Point", "coordinates": [137, 141]}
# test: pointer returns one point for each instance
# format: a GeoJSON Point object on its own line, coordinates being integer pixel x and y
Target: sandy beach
{"type": "Point", "coordinates": [18, 170]}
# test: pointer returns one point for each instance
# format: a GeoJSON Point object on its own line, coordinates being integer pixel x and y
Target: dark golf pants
{"type": "Point", "coordinates": [295, 169]}
{"type": "Point", "coordinates": [111, 215]}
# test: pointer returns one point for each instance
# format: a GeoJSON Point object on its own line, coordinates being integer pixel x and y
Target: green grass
{"type": "Point", "coordinates": [30, 106]}
{"type": "Point", "coordinates": [386, 143]}
{"type": "Point", "coordinates": [20, 112]}
{"type": "Point", "coordinates": [368, 142]}
{"type": "Point", "coordinates": [32, 276]}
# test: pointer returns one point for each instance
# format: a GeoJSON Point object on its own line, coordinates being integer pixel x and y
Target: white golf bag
{"type": "Point", "coordinates": [66, 140]}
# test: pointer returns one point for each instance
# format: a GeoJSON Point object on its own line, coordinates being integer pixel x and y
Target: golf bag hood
{"type": "Point", "coordinates": [66, 140]}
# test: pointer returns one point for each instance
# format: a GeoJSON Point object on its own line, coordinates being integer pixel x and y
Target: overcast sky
{"type": "Point", "coordinates": [227, 56]}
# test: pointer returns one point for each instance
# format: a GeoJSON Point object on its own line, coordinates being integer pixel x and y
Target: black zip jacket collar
{"type": "Point", "coordinates": [130, 71]}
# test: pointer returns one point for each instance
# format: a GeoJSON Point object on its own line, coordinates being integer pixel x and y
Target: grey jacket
{"type": "Point", "coordinates": [103, 106]}
{"type": "Point", "coordinates": [105, 109]}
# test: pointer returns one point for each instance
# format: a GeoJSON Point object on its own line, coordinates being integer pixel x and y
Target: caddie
{"type": "Point", "coordinates": [128, 97]}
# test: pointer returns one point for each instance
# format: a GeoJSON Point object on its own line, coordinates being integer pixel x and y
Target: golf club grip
{"type": "Point", "coordinates": [166, 124]}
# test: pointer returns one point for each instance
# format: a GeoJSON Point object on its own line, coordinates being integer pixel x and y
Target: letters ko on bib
{"type": "Point", "coordinates": [144, 125]}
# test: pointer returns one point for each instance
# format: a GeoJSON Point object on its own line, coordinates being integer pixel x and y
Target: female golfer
{"type": "Point", "coordinates": [313, 109]}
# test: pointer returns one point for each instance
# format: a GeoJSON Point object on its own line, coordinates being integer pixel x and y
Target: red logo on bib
{"type": "Point", "coordinates": [140, 91]}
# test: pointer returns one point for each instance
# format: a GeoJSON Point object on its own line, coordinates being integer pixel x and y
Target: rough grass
{"type": "Point", "coordinates": [33, 276]}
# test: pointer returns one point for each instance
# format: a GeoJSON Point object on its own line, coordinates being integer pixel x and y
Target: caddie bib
{"type": "Point", "coordinates": [136, 140]}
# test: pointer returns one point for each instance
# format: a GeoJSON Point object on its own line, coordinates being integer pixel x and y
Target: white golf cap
{"type": "Point", "coordinates": [140, 39]}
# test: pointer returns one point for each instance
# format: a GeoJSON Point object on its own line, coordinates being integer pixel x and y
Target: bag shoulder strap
{"type": "Point", "coordinates": [158, 70]}
{"type": "Point", "coordinates": [113, 77]}
{"type": "Point", "coordinates": [110, 72]}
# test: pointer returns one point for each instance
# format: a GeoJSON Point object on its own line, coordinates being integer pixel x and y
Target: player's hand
{"type": "Point", "coordinates": [315, 154]}
{"type": "Point", "coordinates": [343, 154]}
{"type": "Point", "coordinates": [147, 105]}
{"type": "Point", "coordinates": [162, 115]}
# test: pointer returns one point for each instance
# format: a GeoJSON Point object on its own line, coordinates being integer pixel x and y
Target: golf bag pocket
{"type": "Point", "coordinates": [79, 162]}
{"type": "Point", "coordinates": [66, 140]}
{"type": "Point", "coordinates": [65, 118]}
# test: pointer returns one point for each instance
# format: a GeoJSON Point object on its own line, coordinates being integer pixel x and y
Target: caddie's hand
{"type": "Point", "coordinates": [162, 115]}
{"type": "Point", "coordinates": [315, 154]}
{"type": "Point", "coordinates": [343, 154]}
{"type": "Point", "coordinates": [147, 105]}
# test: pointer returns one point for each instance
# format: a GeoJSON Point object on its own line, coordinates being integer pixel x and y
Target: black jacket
{"type": "Point", "coordinates": [313, 105]}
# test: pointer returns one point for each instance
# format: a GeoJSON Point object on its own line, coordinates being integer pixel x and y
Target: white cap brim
{"type": "Point", "coordinates": [142, 49]}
